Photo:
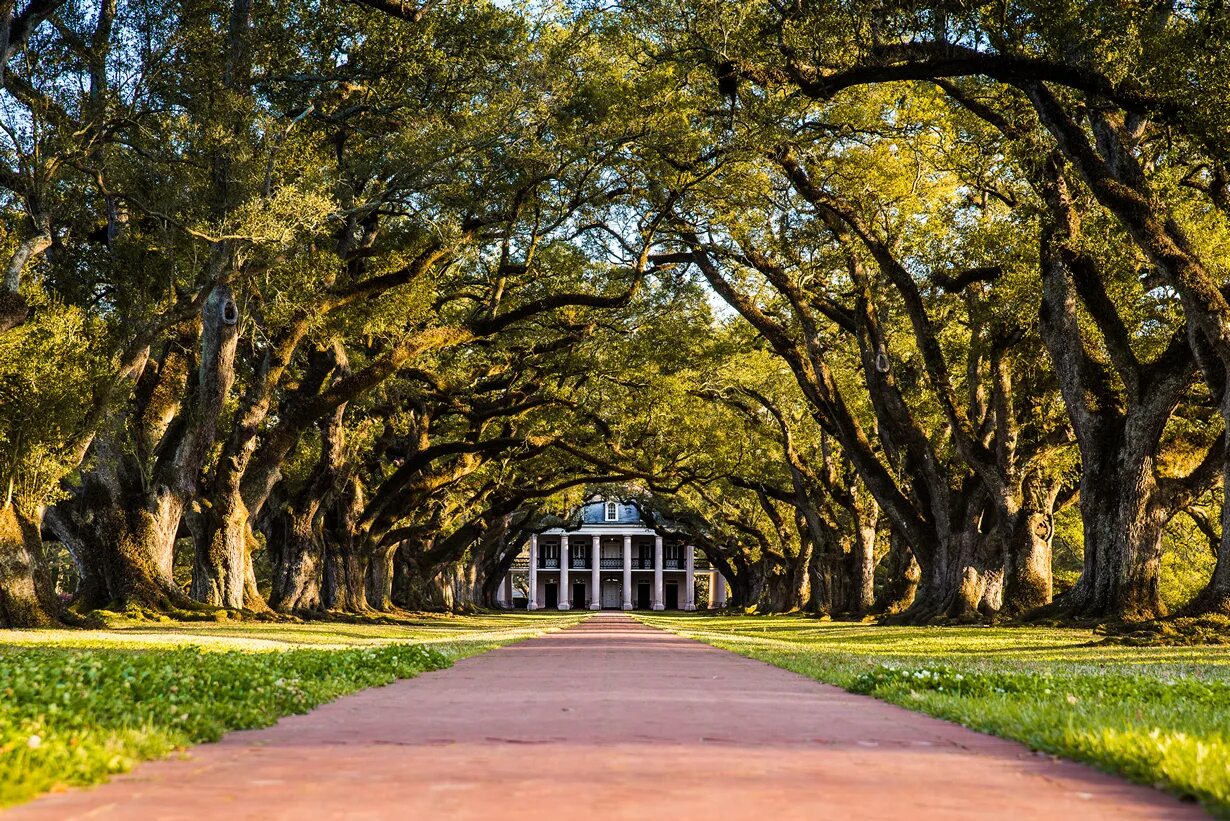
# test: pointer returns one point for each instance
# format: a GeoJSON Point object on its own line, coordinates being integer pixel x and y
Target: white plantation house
{"type": "Point", "coordinates": [609, 560]}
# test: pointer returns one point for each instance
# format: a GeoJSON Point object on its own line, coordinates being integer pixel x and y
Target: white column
{"type": "Point", "coordinates": [719, 590]}
{"type": "Point", "coordinates": [508, 589]}
{"type": "Point", "coordinates": [627, 573]}
{"type": "Point", "coordinates": [533, 605]}
{"type": "Point", "coordinates": [689, 582]}
{"type": "Point", "coordinates": [565, 598]}
{"type": "Point", "coordinates": [595, 581]}
{"type": "Point", "coordinates": [658, 604]}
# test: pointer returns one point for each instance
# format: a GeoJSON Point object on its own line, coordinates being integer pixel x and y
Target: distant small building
{"type": "Point", "coordinates": [608, 558]}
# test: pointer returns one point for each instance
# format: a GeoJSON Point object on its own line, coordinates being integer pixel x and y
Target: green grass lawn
{"type": "Point", "coordinates": [79, 705]}
{"type": "Point", "coordinates": [1158, 715]}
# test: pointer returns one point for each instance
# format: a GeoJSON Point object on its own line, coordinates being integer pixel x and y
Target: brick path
{"type": "Point", "coordinates": [610, 719]}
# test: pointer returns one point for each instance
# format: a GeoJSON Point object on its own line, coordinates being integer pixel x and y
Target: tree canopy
{"type": "Point", "coordinates": [913, 309]}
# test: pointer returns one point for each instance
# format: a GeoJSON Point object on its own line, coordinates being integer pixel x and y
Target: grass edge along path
{"type": "Point", "coordinates": [1170, 731]}
{"type": "Point", "coordinates": [76, 710]}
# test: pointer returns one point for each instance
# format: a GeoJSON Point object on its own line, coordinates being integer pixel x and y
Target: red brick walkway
{"type": "Point", "coordinates": [610, 719]}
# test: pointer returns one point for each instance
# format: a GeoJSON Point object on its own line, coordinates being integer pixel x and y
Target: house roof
{"type": "Point", "coordinates": [591, 517]}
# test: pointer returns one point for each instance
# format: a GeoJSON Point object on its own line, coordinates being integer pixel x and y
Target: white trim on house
{"type": "Point", "coordinates": [594, 572]}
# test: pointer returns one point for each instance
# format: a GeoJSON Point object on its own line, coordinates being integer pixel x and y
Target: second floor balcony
{"type": "Point", "coordinates": [637, 563]}
{"type": "Point", "coordinates": [574, 563]}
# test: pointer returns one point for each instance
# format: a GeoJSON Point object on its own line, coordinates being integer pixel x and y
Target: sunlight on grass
{"type": "Point", "coordinates": [456, 636]}
{"type": "Point", "coordinates": [78, 706]}
{"type": "Point", "coordinates": [1158, 715]}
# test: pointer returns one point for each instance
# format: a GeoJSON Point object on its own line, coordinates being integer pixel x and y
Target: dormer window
{"type": "Point", "coordinates": [612, 512]}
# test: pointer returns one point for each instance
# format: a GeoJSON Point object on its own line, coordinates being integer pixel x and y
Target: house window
{"type": "Point", "coordinates": [549, 558]}
{"type": "Point", "coordinates": [612, 512]}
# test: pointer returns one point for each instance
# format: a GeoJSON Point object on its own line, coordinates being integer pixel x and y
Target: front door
{"type": "Point", "coordinates": [578, 596]}
{"type": "Point", "coordinates": [644, 593]}
{"type": "Point", "coordinates": [612, 598]}
{"type": "Point", "coordinates": [672, 596]}
{"type": "Point", "coordinates": [552, 594]}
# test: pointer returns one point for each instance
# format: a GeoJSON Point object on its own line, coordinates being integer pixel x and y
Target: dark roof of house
{"type": "Point", "coordinates": [594, 513]}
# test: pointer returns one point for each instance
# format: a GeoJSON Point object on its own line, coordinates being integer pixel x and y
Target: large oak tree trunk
{"type": "Point", "coordinates": [826, 576]}
{"type": "Point", "coordinates": [901, 578]}
{"type": "Point", "coordinates": [961, 580]}
{"type": "Point", "coordinates": [236, 499]}
{"type": "Point", "coordinates": [1027, 557]}
{"type": "Point", "coordinates": [1123, 510]}
{"type": "Point", "coordinates": [962, 585]}
{"type": "Point", "coordinates": [221, 556]}
{"type": "Point", "coordinates": [1121, 577]}
{"type": "Point", "coordinates": [298, 566]}
{"type": "Point", "coordinates": [295, 533]}
{"type": "Point", "coordinates": [862, 597]}
{"type": "Point", "coordinates": [380, 577]}
{"type": "Point", "coordinates": [134, 512]}
{"type": "Point", "coordinates": [776, 586]}
{"type": "Point", "coordinates": [134, 554]}
{"type": "Point", "coordinates": [345, 580]}
{"type": "Point", "coordinates": [345, 576]}
{"type": "Point", "coordinates": [26, 595]}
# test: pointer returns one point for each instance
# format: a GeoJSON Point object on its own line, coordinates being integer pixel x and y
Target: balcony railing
{"type": "Point", "coordinates": [702, 565]}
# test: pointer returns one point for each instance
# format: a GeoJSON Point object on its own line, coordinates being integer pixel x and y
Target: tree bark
{"type": "Point", "coordinates": [902, 575]}
{"type": "Point", "coordinates": [1027, 552]}
{"type": "Point", "coordinates": [345, 576]}
{"type": "Point", "coordinates": [299, 563]}
{"type": "Point", "coordinates": [1121, 577]}
{"type": "Point", "coordinates": [1123, 562]}
{"type": "Point", "coordinates": [380, 578]}
{"type": "Point", "coordinates": [222, 551]}
{"type": "Point", "coordinates": [14, 309]}
{"type": "Point", "coordinates": [1123, 506]}
{"type": "Point", "coordinates": [133, 511]}
{"type": "Point", "coordinates": [26, 595]}
{"type": "Point", "coordinates": [864, 555]}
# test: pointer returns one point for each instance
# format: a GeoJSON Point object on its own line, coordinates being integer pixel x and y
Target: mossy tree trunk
{"type": "Point", "coordinates": [863, 556]}
{"type": "Point", "coordinates": [959, 581]}
{"type": "Point", "coordinates": [295, 533]}
{"type": "Point", "coordinates": [1027, 548]}
{"type": "Point", "coordinates": [1124, 502]}
{"type": "Point", "coordinates": [134, 500]}
{"type": "Point", "coordinates": [901, 577]}
{"type": "Point", "coordinates": [298, 551]}
{"type": "Point", "coordinates": [26, 595]}
{"type": "Point", "coordinates": [344, 585]}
